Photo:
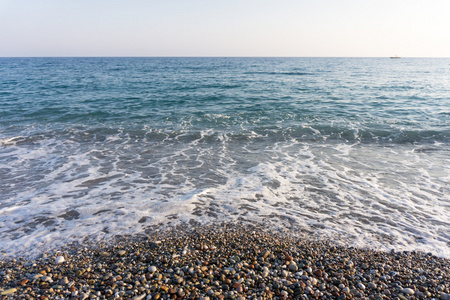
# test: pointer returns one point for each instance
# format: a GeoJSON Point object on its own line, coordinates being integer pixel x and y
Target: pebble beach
{"type": "Point", "coordinates": [226, 261]}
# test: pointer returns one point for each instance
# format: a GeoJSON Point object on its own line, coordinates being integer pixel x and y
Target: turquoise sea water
{"type": "Point", "coordinates": [353, 149]}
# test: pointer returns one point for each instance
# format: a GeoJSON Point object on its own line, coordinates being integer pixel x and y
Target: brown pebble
{"type": "Point", "coordinates": [287, 257]}
{"type": "Point", "coordinates": [236, 285]}
{"type": "Point", "coordinates": [164, 288]}
{"type": "Point", "coordinates": [302, 284]}
{"type": "Point", "coordinates": [318, 273]}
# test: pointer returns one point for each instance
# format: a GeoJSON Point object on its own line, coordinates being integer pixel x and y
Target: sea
{"type": "Point", "coordinates": [352, 150]}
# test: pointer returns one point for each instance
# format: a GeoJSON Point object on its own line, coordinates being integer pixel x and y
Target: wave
{"type": "Point", "coordinates": [280, 73]}
{"type": "Point", "coordinates": [205, 86]}
{"type": "Point", "coordinates": [272, 134]}
{"type": "Point", "coordinates": [92, 181]}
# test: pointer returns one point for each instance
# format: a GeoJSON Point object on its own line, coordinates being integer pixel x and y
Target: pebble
{"type": "Point", "coordinates": [9, 291]}
{"type": "Point", "coordinates": [372, 285]}
{"type": "Point", "coordinates": [408, 291]}
{"type": "Point", "coordinates": [59, 260]}
{"type": "Point", "coordinates": [292, 267]}
{"type": "Point", "coordinates": [444, 296]}
{"type": "Point", "coordinates": [318, 273]}
{"type": "Point", "coordinates": [64, 281]}
{"type": "Point", "coordinates": [46, 279]}
{"type": "Point", "coordinates": [225, 262]}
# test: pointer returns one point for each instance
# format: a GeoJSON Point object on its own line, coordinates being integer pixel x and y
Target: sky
{"type": "Point", "coordinates": [297, 28]}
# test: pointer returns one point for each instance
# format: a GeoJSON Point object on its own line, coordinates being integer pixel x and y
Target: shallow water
{"type": "Point", "coordinates": [352, 149]}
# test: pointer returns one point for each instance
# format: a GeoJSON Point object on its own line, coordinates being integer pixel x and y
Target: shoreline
{"type": "Point", "coordinates": [224, 262]}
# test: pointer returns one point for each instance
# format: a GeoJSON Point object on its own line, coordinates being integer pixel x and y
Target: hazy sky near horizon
{"type": "Point", "coordinates": [349, 28]}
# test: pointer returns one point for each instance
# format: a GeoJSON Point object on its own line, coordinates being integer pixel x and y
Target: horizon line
{"type": "Point", "coordinates": [213, 56]}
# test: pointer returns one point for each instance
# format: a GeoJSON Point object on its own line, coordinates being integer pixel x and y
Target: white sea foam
{"type": "Point", "coordinates": [364, 195]}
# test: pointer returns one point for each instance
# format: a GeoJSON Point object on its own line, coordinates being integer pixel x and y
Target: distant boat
{"type": "Point", "coordinates": [395, 56]}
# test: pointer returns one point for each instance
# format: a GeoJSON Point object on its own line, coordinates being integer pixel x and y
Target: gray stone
{"type": "Point", "coordinates": [64, 281]}
{"type": "Point", "coordinates": [444, 296]}
{"type": "Point", "coordinates": [372, 285]}
{"type": "Point", "coordinates": [37, 276]}
{"type": "Point", "coordinates": [59, 260]}
{"type": "Point", "coordinates": [47, 279]}
{"type": "Point", "coordinates": [408, 291]}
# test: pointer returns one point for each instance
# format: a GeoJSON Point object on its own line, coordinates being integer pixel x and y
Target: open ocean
{"type": "Point", "coordinates": [355, 150]}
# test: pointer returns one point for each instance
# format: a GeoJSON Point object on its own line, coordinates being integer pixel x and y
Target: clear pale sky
{"type": "Point", "coordinates": [359, 28]}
